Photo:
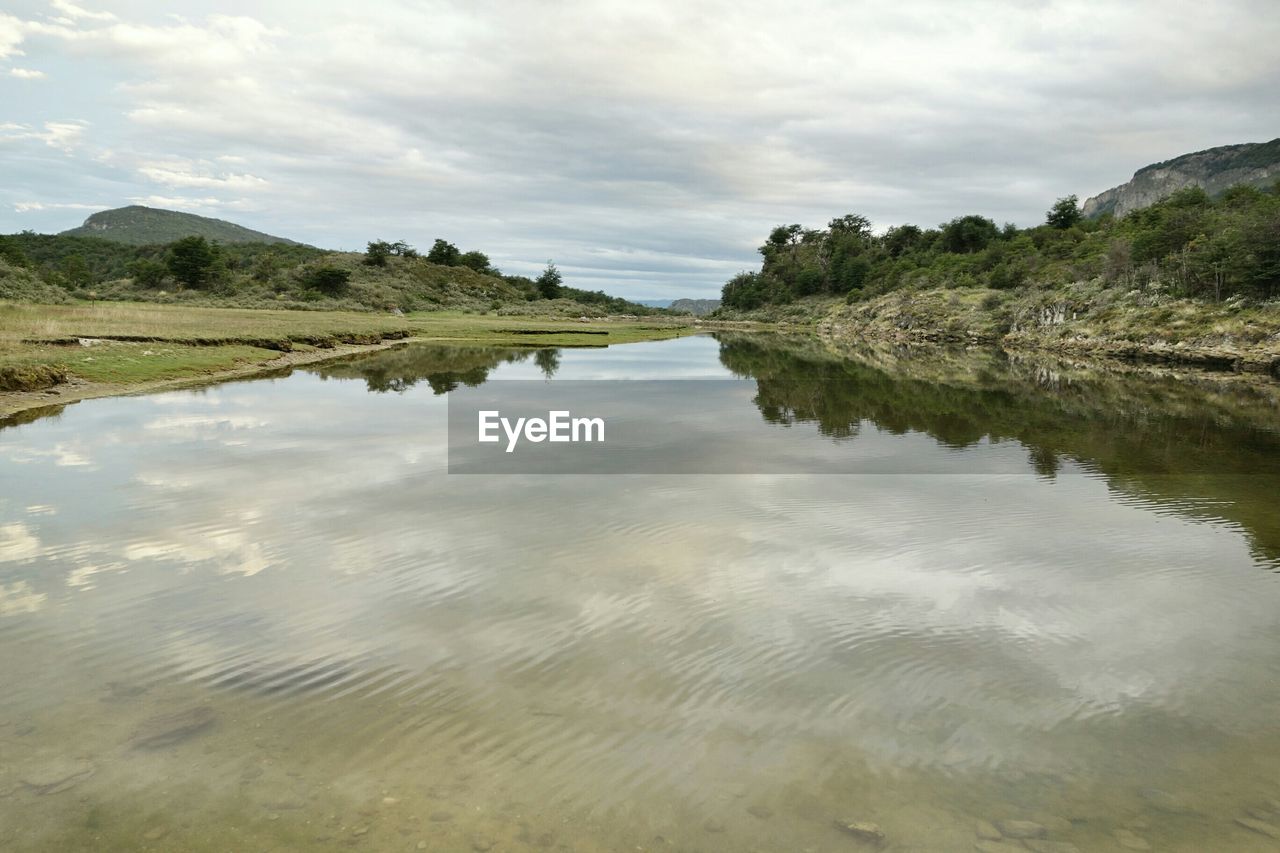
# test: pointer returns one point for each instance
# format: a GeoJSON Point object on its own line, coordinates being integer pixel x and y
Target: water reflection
{"type": "Point", "coordinates": [263, 617]}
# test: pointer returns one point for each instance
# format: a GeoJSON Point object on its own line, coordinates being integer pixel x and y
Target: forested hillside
{"type": "Point", "coordinates": [1189, 245]}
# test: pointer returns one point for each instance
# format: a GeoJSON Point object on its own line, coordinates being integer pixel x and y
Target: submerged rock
{"type": "Point", "coordinates": [57, 775]}
{"type": "Point", "coordinates": [170, 729]}
{"type": "Point", "coordinates": [862, 830]}
{"type": "Point", "coordinates": [987, 831]}
{"type": "Point", "coordinates": [1041, 845]}
{"type": "Point", "coordinates": [1131, 841]}
{"type": "Point", "coordinates": [1259, 826]}
{"type": "Point", "coordinates": [1021, 829]}
{"type": "Point", "coordinates": [987, 845]}
{"type": "Point", "coordinates": [1165, 802]}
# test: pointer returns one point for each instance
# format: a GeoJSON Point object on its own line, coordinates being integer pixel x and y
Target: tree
{"type": "Point", "coordinates": [267, 266]}
{"type": "Point", "coordinates": [444, 253]}
{"type": "Point", "coordinates": [331, 281]}
{"type": "Point", "coordinates": [377, 253]}
{"type": "Point", "coordinates": [902, 239]}
{"type": "Point", "coordinates": [403, 249]}
{"type": "Point", "coordinates": [12, 252]}
{"type": "Point", "coordinates": [548, 283]}
{"type": "Point", "coordinates": [851, 223]}
{"type": "Point", "coordinates": [147, 272]}
{"type": "Point", "coordinates": [1064, 213]}
{"type": "Point", "coordinates": [191, 260]}
{"type": "Point", "coordinates": [76, 270]}
{"type": "Point", "coordinates": [477, 261]}
{"type": "Point", "coordinates": [968, 234]}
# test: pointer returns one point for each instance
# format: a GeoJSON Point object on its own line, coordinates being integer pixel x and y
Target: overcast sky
{"type": "Point", "coordinates": [646, 147]}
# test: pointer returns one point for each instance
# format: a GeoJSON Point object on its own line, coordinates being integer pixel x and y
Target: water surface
{"type": "Point", "coordinates": [263, 615]}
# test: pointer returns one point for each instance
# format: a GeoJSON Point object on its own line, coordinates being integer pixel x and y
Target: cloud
{"type": "Point", "coordinates": [63, 135]}
{"type": "Point", "coordinates": [26, 74]}
{"type": "Point", "coordinates": [672, 134]}
{"type": "Point", "coordinates": [29, 206]}
{"type": "Point", "coordinates": [181, 175]}
{"type": "Point", "coordinates": [11, 36]}
{"type": "Point", "coordinates": [70, 10]}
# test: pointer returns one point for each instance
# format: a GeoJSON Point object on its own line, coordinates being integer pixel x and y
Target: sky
{"type": "Point", "coordinates": [647, 148]}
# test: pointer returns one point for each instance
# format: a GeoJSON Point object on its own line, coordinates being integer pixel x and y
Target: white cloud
{"type": "Point", "coordinates": [11, 36]}
{"type": "Point", "coordinates": [70, 10]}
{"type": "Point", "coordinates": [185, 176]}
{"type": "Point", "coordinates": [29, 206]}
{"type": "Point", "coordinates": [26, 73]}
{"type": "Point", "coordinates": [63, 135]}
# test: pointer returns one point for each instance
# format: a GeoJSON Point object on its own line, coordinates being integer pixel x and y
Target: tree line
{"type": "Point", "coordinates": [1190, 244]}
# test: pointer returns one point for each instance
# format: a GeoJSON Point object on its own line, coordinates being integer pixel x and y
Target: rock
{"type": "Point", "coordinates": [862, 830]}
{"type": "Point", "coordinates": [1259, 826]}
{"type": "Point", "coordinates": [441, 817]}
{"type": "Point", "coordinates": [171, 729]}
{"type": "Point", "coordinates": [987, 845]}
{"type": "Point", "coordinates": [422, 845]}
{"type": "Point", "coordinates": [987, 831]}
{"type": "Point", "coordinates": [761, 811]}
{"type": "Point", "coordinates": [1041, 845]}
{"type": "Point", "coordinates": [481, 844]}
{"type": "Point", "coordinates": [1260, 813]}
{"type": "Point", "coordinates": [1021, 829]}
{"type": "Point", "coordinates": [1163, 801]}
{"type": "Point", "coordinates": [1053, 823]}
{"type": "Point", "coordinates": [1130, 841]}
{"type": "Point", "coordinates": [713, 825]}
{"type": "Point", "coordinates": [155, 834]}
{"type": "Point", "coordinates": [58, 776]}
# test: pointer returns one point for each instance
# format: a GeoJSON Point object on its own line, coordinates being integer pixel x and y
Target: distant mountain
{"type": "Point", "coordinates": [696, 307]}
{"type": "Point", "coordinates": [142, 226]}
{"type": "Point", "coordinates": [653, 303]}
{"type": "Point", "coordinates": [1214, 170]}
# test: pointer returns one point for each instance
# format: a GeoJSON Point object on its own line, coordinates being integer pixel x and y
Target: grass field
{"type": "Point", "coordinates": [45, 346]}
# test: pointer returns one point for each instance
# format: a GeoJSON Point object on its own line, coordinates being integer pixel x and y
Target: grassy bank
{"type": "Point", "coordinates": [1086, 318]}
{"type": "Point", "coordinates": [59, 353]}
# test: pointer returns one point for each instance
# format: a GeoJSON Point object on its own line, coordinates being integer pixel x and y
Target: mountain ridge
{"type": "Point", "coordinates": [1214, 170]}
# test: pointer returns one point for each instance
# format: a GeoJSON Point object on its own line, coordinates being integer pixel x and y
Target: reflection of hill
{"type": "Point", "coordinates": [444, 368]}
{"type": "Point", "coordinates": [1202, 448]}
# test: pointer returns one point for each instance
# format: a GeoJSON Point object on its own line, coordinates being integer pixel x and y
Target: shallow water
{"type": "Point", "coordinates": [264, 616]}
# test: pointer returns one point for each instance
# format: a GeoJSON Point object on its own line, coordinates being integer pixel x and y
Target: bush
{"type": "Point", "coordinates": [330, 281]}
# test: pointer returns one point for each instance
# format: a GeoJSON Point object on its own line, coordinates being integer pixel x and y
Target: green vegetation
{"type": "Point", "coordinates": [1187, 246]}
{"type": "Point", "coordinates": [148, 226]}
{"type": "Point", "coordinates": [196, 271]}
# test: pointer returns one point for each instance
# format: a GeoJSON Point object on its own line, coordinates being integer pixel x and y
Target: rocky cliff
{"type": "Point", "coordinates": [1214, 170]}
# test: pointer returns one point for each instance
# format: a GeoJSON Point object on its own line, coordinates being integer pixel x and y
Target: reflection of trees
{"type": "Point", "coordinates": [1203, 450]}
{"type": "Point", "coordinates": [443, 368]}
{"type": "Point", "coordinates": [548, 361]}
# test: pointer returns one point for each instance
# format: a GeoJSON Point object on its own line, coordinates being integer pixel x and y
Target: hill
{"type": "Point", "coordinates": [148, 226]}
{"type": "Point", "coordinates": [1214, 170]}
{"type": "Point", "coordinates": [58, 267]}
{"type": "Point", "coordinates": [696, 307]}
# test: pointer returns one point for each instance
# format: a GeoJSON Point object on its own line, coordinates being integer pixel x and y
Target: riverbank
{"type": "Point", "coordinates": [57, 354]}
{"type": "Point", "coordinates": [1083, 319]}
